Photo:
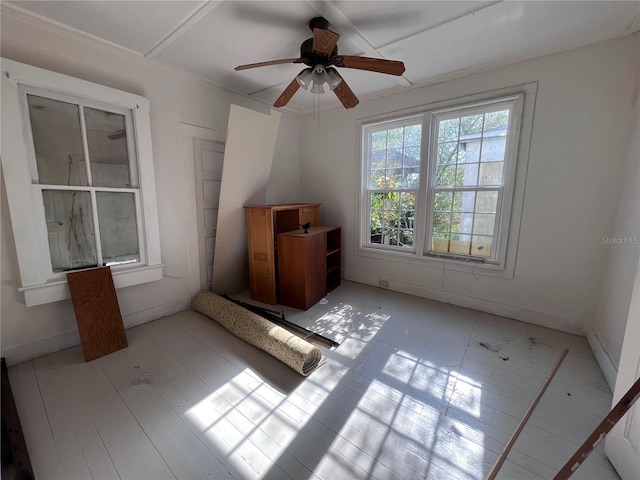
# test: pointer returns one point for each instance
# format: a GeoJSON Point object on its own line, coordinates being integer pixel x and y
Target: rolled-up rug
{"type": "Point", "coordinates": [290, 349]}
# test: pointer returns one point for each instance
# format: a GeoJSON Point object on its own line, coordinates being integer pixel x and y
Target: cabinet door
{"type": "Point", "coordinates": [261, 255]}
{"type": "Point", "coordinates": [301, 265]}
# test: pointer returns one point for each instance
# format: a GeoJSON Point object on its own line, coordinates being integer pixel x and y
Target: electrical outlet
{"type": "Point", "coordinates": [383, 283]}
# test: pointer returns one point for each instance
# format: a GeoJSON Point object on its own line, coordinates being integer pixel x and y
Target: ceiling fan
{"type": "Point", "coordinates": [320, 54]}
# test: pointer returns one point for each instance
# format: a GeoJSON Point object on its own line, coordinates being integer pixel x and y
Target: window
{"type": "Point", "coordinates": [440, 183]}
{"type": "Point", "coordinates": [79, 176]}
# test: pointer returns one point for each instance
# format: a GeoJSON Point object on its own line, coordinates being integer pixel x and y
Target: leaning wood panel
{"type": "Point", "coordinates": [97, 312]}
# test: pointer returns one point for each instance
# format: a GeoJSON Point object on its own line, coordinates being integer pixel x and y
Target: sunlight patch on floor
{"type": "Point", "coordinates": [468, 394]}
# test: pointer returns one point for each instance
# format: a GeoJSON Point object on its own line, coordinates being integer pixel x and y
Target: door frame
{"type": "Point", "coordinates": [188, 133]}
{"type": "Point", "coordinates": [622, 454]}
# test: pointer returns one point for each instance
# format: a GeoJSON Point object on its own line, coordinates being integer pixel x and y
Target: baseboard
{"type": "Point", "coordinates": [153, 313]}
{"type": "Point", "coordinates": [28, 351]}
{"type": "Point", "coordinates": [605, 362]}
{"type": "Point", "coordinates": [543, 319]}
{"type": "Point", "coordinates": [43, 346]}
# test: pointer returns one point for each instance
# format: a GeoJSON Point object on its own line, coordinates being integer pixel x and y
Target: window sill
{"type": "Point", "coordinates": [475, 268]}
{"type": "Point", "coordinates": [57, 290]}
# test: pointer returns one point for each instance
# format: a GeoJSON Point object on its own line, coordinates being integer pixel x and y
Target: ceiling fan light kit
{"type": "Point", "coordinates": [314, 78]}
{"type": "Point", "coordinates": [320, 53]}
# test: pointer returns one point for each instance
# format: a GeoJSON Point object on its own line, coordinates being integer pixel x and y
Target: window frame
{"type": "Point", "coordinates": [508, 231]}
{"type": "Point", "coordinates": [38, 281]}
{"type": "Point", "coordinates": [24, 91]}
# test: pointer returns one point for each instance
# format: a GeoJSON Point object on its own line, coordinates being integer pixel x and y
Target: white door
{"type": "Point", "coordinates": [622, 445]}
{"type": "Point", "coordinates": [209, 157]}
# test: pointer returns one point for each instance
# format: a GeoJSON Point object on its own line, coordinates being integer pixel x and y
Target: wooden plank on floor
{"type": "Point", "coordinates": [97, 312]}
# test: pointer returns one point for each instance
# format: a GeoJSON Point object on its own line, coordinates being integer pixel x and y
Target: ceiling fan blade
{"type": "Point", "coordinates": [271, 62]}
{"type": "Point", "coordinates": [345, 94]}
{"type": "Point", "coordinates": [289, 92]}
{"type": "Point", "coordinates": [324, 41]}
{"type": "Point", "coordinates": [390, 67]}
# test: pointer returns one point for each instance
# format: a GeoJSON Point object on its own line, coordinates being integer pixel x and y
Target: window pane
{"type": "Point", "coordinates": [464, 201]}
{"type": "Point", "coordinates": [462, 154]}
{"type": "Point", "coordinates": [413, 136]}
{"type": "Point", "coordinates": [486, 202]}
{"type": "Point", "coordinates": [443, 201]}
{"type": "Point", "coordinates": [446, 176]}
{"type": "Point", "coordinates": [440, 242]}
{"type": "Point", "coordinates": [406, 217]}
{"type": "Point", "coordinates": [442, 222]}
{"type": "Point", "coordinates": [108, 153]}
{"type": "Point", "coordinates": [379, 140]}
{"type": "Point", "coordinates": [386, 180]}
{"type": "Point", "coordinates": [460, 244]}
{"type": "Point", "coordinates": [70, 230]}
{"type": "Point", "coordinates": [57, 140]}
{"type": "Point", "coordinates": [377, 212]}
{"type": "Point", "coordinates": [493, 148]}
{"type": "Point", "coordinates": [467, 175]}
{"type": "Point", "coordinates": [496, 120]}
{"type": "Point", "coordinates": [491, 173]}
{"type": "Point", "coordinates": [378, 158]}
{"type": "Point", "coordinates": [392, 217]}
{"type": "Point", "coordinates": [377, 178]}
{"type": "Point", "coordinates": [411, 177]}
{"type": "Point", "coordinates": [462, 222]}
{"type": "Point", "coordinates": [447, 153]}
{"type": "Point", "coordinates": [483, 223]}
{"type": "Point", "coordinates": [481, 246]}
{"type": "Point", "coordinates": [395, 138]}
{"type": "Point", "coordinates": [448, 130]}
{"type": "Point", "coordinates": [118, 227]}
{"type": "Point", "coordinates": [395, 157]}
{"type": "Point", "coordinates": [471, 126]}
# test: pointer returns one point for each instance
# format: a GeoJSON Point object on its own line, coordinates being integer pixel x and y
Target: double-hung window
{"type": "Point", "coordinates": [86, 172]}
{"type": "Point", "coordinates": [440, 183]}
{"type": "Point", "coordinates": [79, 175]}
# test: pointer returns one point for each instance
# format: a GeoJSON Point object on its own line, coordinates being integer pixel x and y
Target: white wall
{"type": "Point", "coordinates": [174, 98]}
{"type": "Point", "coordinates": [578, 149]}
{"type": "Point", "coordinates": [622, 250]}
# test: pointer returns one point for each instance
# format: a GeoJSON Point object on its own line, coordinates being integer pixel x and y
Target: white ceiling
{"type": "Point", "coordinates": [436, 40]}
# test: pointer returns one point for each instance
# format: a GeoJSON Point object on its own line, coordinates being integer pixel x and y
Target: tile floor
{"type": "Point", "coordinates": [416, 389]}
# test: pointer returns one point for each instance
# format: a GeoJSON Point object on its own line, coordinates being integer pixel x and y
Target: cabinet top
{"type": "Point", "coordinates": [314, 230]}
{"type": "Point", "coordinates": [284, 206]}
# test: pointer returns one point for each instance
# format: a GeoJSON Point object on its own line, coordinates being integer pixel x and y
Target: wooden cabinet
{"type": "Point", "coordinates": [308, 265]}
{"type": "Point", "coordinates": [264, 223]}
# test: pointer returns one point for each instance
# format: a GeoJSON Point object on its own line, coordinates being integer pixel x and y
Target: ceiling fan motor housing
{"type": "Point", "coordinates": [318, 22]}
{"type": "Point", "coordinates": [312, 57]}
